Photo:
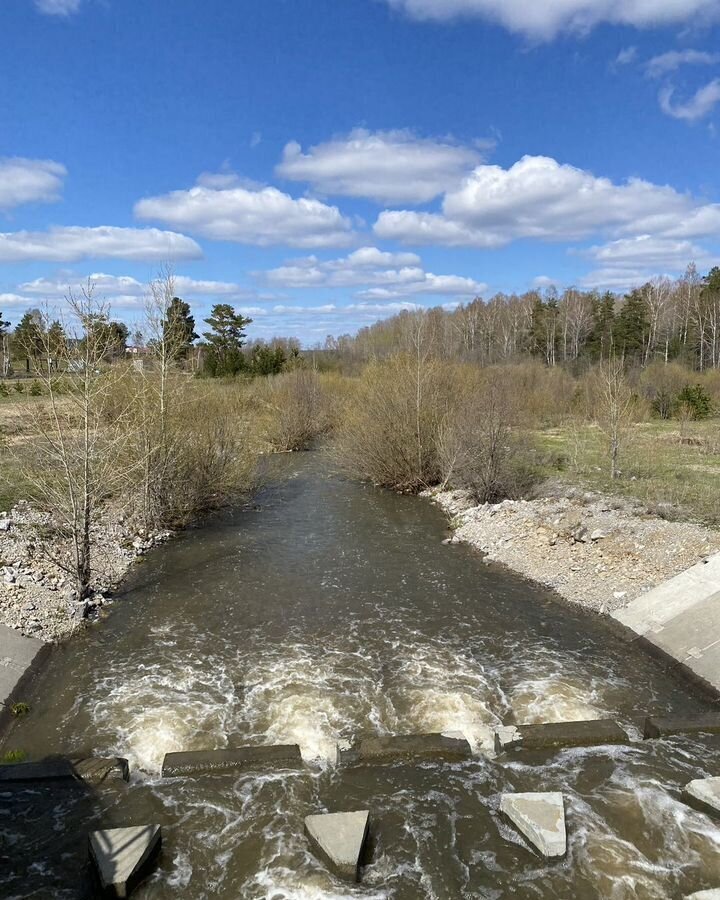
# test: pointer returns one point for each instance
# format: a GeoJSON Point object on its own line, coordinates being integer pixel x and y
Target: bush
{"type": "Point", "coordinates": [694, 401]}
{"type": "Point", "coordinates": [19, 387]}
{"type": "Point", "coordinates": [4, 392]}
{"type": "Point", "coordinates": [297, 409]}
{"type": "Point", "coordinates": [35, 389]}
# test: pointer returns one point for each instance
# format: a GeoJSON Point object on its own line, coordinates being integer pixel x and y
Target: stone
{"type": "Point", "coordinates": [280, 756]}
{"type": "Point", "coordinates": [5, 524]}
{"type": "Point", "coordinates": [703, 794]}
{"type": "Point", "coordinates": [407, 748]}
{"type": "Point", "coordinates": [597, 535]}
{"type": "Point", "coordinates": [123, 856]}
{"type": "Point", "coordinates": [571, 734]}
{"type": "Point", "coordinates": [339, 839]}
{"type": "Point", "coordinates": [656, 727]}
{"type": "Point", "coordinates": [712, 894]}
{"type": "Point", "coordinates": [540, 818]}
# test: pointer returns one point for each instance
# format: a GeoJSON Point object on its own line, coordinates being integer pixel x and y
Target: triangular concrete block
{"type": "Point", "coordinates": [703, 794]}
{"type": "Point", "coordinates": [540, 818]}
{"type": "Point", "coordinates": [338, 839]}
{"type": "Point", "coordinates": [122, 856]}
{"type": "Point", "coordinates": [712, 894]}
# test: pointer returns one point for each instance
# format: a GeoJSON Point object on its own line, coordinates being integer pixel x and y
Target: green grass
{"type": "Point", "coordinates": [658, 467]}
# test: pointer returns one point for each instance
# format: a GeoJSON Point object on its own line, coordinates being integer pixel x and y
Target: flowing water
{"type": "Point", "coordinates": [333, 609]}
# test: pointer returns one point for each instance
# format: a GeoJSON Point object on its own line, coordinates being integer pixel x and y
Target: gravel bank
{"type": "Point", "coordinates": [598, 551]}
{"type": "Point", "coordinates": [37, 597]}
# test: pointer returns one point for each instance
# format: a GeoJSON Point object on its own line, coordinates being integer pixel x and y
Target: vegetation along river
{"type": "Point", "coordinates": [330, 609]}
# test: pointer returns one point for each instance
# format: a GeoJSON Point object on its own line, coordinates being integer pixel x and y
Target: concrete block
{"type": "Point", "coordinates": [20, 657]}
{"type": "Point", "coordinates": [195, 762]}
{"type": "Point", "coordinates": [540, 818]}
{"type": "Point", "coordinates": [53, 769]}
{"type": "Point", "coordinates": [100, 770]}
{"type": "Point", "coordinates": [703, 794]}
{"type": "Point", "coordinates": [571, 734]}
{"type": "Point", "coordinates": [712, 894]}
{"type": "Point", "coordinates": [664, 727]}
{"type": "Point", "coordinates": [507, 737]}
{"type": "Point", "coordinates": [407, 748]}
{"type": "Point", "coordinates": [339, 839]}
{"type": "Point", "coordinates": [124, 856]}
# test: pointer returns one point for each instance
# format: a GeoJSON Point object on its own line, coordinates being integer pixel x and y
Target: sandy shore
{"type": "Point", "coordinates": [600, 552]}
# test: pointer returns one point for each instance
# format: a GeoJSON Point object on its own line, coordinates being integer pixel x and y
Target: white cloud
{"type": "Point", "coordinates": [58, 7]}
{"type": "Point", "coordinates": [74, 243]}
{"type": "Point", "coordinates": [390, 167]}
{"type": "Point", "coordinates": [669, 62]}
{"type": "Point", "coordinates": [29, 181]}
{"type": "Point", "coordinates": [222, 209]}
{"type": "Point", "coordinates": [544, 19]}
{"type": "Point", "coordinates": [126, 285]}
{"type": "Point", "coordinates": [384, 275]}
{"type": "Point", "coordinates": [626, 56]}
{"type": "Point", "coordinates": [543, 281]}
{"type": "Point", "coordinates": [697, 107]}
{"type": "Point", "coordinates": [541, 199]}
{"type": "Point", "coordinates": [632, 261]}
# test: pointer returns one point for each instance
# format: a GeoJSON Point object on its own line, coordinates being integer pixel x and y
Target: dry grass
{"type": "Point", "coordinates": [676, 475]}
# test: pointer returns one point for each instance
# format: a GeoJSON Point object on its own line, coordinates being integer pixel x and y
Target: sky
{"type": "Point", "coordinates": [321, 164]}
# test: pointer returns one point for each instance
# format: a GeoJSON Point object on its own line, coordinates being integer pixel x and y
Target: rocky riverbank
{"type": "Point", "coordinates": [600, 552]}
{"type": "Point", "coordinates": [37, 597]}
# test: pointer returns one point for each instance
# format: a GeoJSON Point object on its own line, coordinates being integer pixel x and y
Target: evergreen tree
{"type": "Point", "coordinates": [600, 340]}
{"type": "Point", "coordinates": [28, 336]}
{"type": "Point", "coordinates": [225, 340]}
{"type": "Point", "coordinates": [267, 360]}
{"type": "Point", "coordinates": [631, 325]}
{"type": "Point", "coordinates": [179, 328]}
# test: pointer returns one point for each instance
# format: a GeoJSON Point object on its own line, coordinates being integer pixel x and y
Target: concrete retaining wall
{"type": "Point", "coordinates": [680, 621]}
{"type": "Point", "coordinates": [20, 658]}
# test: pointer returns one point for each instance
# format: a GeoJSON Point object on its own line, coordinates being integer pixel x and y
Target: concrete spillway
{"type": "Point", "coordinates": [680, 619]}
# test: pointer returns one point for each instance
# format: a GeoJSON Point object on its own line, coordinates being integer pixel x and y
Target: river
{"type": "Point", "coordinates": [326, 609]}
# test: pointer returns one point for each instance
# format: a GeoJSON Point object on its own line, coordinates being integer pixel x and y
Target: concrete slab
{"type": "Point", "coordinates": [571, 734]}
{"type": "Point", "coordinates": [54, 769]}
{"type": "Point", "coordinates": [703, 794]}
{"type": "Point", "coordinates": [216, 762]}
{"type": "Point", "coordinates": [540, 817]}
{"type": "Point", "coordinates": [665, 726]}
{"type": "Point", "coordinates": [338, 839]}
{"type": "Point", "coordinates": [123, 856]}
{"type": "Point", "coordinates": [712, 894]}
{"type": "Point", "coordinates": [19, 657]}
{"type": "Point", "coordinates": [681, 620]}
{"type": "Point", "coordinates": [100, 770]}
{"type": "Point", "coordinates": [407, 748]}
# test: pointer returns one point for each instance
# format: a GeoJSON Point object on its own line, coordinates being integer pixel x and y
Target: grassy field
{"type": "Point", "coordinates": [13, 412]}
{"type": "Point", "coordinates": [676, 475]}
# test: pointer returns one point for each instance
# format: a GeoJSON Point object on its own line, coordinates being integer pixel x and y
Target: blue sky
{"type": "Point", "coordinates": [324, 163]}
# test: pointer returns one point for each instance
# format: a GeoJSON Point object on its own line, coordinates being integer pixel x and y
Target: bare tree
{"type": "Point", "coordinates": [614, 403]}
{"type": "Point", "coordinates": [71, 464]}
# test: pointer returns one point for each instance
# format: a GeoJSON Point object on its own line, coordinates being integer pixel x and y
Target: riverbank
{"type": "Point", "coordinates": [598, 551]}
{"type": "Point", "coordinates": [37, 598]}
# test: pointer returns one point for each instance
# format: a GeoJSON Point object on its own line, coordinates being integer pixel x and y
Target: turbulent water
{"type": "Point", "coordinates": [329, 610]}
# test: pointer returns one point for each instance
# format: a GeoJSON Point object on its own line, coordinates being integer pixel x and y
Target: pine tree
{"type": "Point", "coordinates": [28, 336]}
{"type": "Point", "coordinates": [225, 340]}
{"type": "Point", "coordinates": [600, 340]}
{"type": "Point", "coordinates": [631, 325]}
{"type": "Point", "coordinates": [179, 328]}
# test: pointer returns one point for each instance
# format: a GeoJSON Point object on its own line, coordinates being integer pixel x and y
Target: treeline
{"type": "Point", "coordinates": [662, 320]}
{"type": "Point", "coordinates": [223, 349]}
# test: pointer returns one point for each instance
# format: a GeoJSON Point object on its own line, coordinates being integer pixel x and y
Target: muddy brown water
{"type": "Point", "coordinates": [333, 609]}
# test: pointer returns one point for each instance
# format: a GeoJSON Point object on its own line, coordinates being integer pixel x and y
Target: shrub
{"type": "Point", "coordinates": [19, 387]}
{"type": "Point", "coordinates": [297, 409]}
{"type": "Point", "coordinates": [695, 401]}
{"type": "Point", "coordinates": [35, 389]}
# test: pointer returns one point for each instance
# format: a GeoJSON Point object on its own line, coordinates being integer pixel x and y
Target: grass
{"type": "Point", "coordinates": [676, 475]}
